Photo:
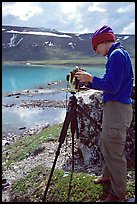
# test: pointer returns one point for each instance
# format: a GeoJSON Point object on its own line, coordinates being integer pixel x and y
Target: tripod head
{"type": "Point", "coordinates": [73, 93]}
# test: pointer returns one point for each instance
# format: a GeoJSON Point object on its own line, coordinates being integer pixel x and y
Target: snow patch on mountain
{"type": "Point", "coordinates": [12, 41]}
{"type": "Point", "coordinates": [40, 33]}
{"type": "Point", "coordinates": [72, 45]}
{"type": "Point", "coordinates": [126, 37]}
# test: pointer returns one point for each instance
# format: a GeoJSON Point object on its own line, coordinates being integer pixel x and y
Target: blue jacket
{"type": "Point", "coordinates": [116, 83]}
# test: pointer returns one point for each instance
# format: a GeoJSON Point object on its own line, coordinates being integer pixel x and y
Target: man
{"type": "Point", "coordinates": [116, 85]}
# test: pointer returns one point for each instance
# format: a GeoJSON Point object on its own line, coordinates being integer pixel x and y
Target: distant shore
{"type": "Point", "coordinates": [93, 61]}
{"type": "Point", "coordinates": [89, 61]}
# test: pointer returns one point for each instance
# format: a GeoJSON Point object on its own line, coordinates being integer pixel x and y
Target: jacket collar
{"type": "Point", "coordinates": [113, 47]}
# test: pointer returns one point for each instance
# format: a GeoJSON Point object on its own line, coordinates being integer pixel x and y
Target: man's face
{"type": "Point", "coordinates": [101, 49]}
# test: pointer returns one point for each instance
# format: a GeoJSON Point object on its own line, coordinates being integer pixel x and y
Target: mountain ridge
{"type": "Point", "coordinates": [29, 43]}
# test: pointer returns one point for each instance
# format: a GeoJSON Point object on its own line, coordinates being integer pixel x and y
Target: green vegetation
{"type": "Point", "coordinates": [27, 146]}
{"type": "Point", "coordinates": [64, 187]}
{"type": "Point", "coordinates": [30, 188]}
{"type": "Point", "coordinates": [87, 61]}
{"type": "Point", "coordinates": [82, 186]}
{"type": "Point", "coordinates": [83, 61]}
{"type": "Point", "coordinates": [96, 61]}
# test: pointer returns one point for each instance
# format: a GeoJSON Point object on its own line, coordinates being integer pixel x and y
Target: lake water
{"type": "Point", "coordinates": [16, 78]}
{"type": "Point", "coordinates": [19, 77]}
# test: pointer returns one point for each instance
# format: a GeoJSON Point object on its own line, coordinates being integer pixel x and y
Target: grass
{"type": "Point", "coordinates": [83, 61]}
{"type": "Point", "coordinates": [26, 146]}
{"type": "Point", "coordinates": [73, 61]}
{"type": "Point", "coordinates": [82, 187]}
{"type": "Point", "coordinates": [31, 187]}
{"type": "Point", "coordinates": [64, 187]}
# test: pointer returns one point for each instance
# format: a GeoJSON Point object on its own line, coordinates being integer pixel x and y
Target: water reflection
{"type": "Point", "coordinates": [14, 118]}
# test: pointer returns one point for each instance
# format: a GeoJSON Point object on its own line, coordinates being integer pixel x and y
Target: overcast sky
{"type": "Point", "coordinates": [76, 17]}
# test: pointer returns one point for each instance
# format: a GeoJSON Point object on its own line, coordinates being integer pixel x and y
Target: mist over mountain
{"type": "Point", "coordinates": [26, 43]}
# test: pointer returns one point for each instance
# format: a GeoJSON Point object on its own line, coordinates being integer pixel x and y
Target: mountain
{"type": "Point", "coordinates": [26, 43]}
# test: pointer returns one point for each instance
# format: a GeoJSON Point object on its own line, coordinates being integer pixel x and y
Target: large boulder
{"type": "Point", "coordinates": [90, 129]}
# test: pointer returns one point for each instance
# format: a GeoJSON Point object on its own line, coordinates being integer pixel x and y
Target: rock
{"type": "Point", "coordinates": [22, 128]}
{"type": "Point", "coordinates": [86, 152]}
{"type": "Point", "coordinates": [89, 133]}
{"type": "Point", "coordinates": [5, 142]}
{"type": "Point", "coordinates": [5, 183]}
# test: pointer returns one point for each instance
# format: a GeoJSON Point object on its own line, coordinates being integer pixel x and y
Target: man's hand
{"type": "Point", "coordinates": [83, 76]}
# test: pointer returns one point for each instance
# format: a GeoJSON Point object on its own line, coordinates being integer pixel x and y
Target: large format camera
{"type": "Point", "coordinates": [74, 84]}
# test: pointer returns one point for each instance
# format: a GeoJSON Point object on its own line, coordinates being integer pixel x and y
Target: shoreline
{"type": "Point", "coordinates": [37, 99]}
{"type": "Point", "coordinates": [31, 103]}
{"type": "Point", "coordinates": [61, 63]}
{"type": "Point", "coordinates": [96, 61]}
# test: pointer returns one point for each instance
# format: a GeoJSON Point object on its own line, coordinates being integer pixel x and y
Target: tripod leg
{"type": "Point", "coordinates": [61, 140]}
{"type": "Point", "coordinates": [65, 127]}
{"type": "Point", "coordinates": [74, 128]}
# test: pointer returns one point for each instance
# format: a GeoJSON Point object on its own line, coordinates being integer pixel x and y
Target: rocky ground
{"type": "Point", "coordinates": [46, 155]}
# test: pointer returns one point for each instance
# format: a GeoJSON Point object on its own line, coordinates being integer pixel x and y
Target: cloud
{"type": "Point", "coordinates": [22, 10]}
{"type": "Point", "coordinates": [96, 7]}
{"type": "Point", "coordinates": [77, 17]}
{"type": "Point", "coordinates": [127, 8]}
{"type": "Point", "coordinates": [129, 28]}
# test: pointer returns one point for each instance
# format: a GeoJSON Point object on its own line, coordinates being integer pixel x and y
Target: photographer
{"type": "Point", "coordinates": [116, 85]}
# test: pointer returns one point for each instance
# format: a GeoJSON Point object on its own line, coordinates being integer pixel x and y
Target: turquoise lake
{"type": "Point", "coordinates": [16, 78]}
{"type": "Point", "coordinates": [20, 77]}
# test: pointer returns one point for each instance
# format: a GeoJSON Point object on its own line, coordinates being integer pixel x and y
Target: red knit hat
{"type": "Point", "coordinates": [103, 34]}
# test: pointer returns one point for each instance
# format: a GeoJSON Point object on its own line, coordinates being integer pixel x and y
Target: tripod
{"type": "Point", "coordinates": [70, 119]}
